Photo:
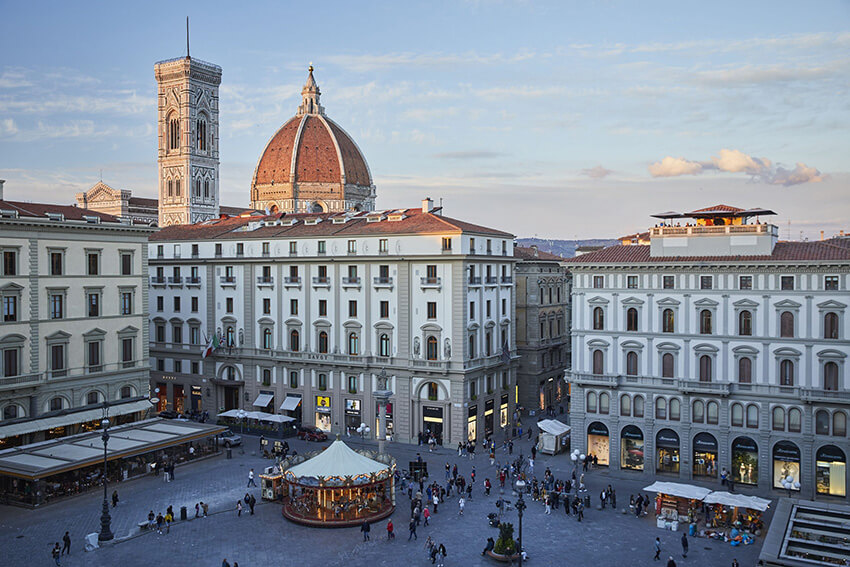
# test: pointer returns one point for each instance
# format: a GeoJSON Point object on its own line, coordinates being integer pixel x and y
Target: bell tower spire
{"type": "Point", "coordinates": [310, 97]}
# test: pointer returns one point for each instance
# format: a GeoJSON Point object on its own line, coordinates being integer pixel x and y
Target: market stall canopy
{"type": "Point", "coordinates": [738, 501]}
{"type": "Point", "coordinates": [553, 426]}
{"type": "Point", "coordinates": [290, 403]}
{"type": "Point", "coordinates": [338, 460]}
{"type": "Point", "coordinates": [263, 400]}
{"type": "Point", "coordinates": [681, 490]}
{"type": "Point", "coordinates": [258, 415]}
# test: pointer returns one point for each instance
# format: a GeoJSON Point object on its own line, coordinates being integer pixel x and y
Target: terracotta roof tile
{"type": "Point", "coordinates": [275, 163]}
{"type": "Point", "coordinates": [356, 171]}
{"type": "Point", "coordinates": [528, 253]}
{"type": "Point", "coordinates": [782, 252]}
{"type": "Point", "coordinates": [317, 160]}
{"type": "Point", "coordinates": [40, 210]}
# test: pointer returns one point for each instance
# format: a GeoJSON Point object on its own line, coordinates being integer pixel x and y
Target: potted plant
{"type": "Point", "coordinates": [505, 549]}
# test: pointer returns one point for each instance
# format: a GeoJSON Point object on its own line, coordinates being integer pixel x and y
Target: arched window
{"type": "Point", "coordinates": [294, 340]}
{"type": "Point", "coordinates": [660, 408]}
{"type": "Point", "coordinates": [10, 412]}
{"type": "Point", "coordinates": [267, 339]}
{"type": "Point", "coordinates": [126, 392]}
{"type": "Point", "coordinates": [712, 412]}
{"type": "Point", "coordinates": [830, 376]}
{"type": "Point", "coordinates": [598, 319]}
{"type": "Point", "coordinates": [839, 424]}
{"type": "Point", "coordinates": [786, 324]}
{"type": "Point", "coordinates": [323, 342]}
{"type": "Point", "coordinates": [753, 416]}
{"type": "Point", "coordinates": [830, 325]}
{"type": "Point", "coordinates": [698, 415]}
{"type": "Point", "coordinates": [591, 402]}
{"type": "Point", "coordinates": [632, 319]}
{"type": "Point", "coordinates": [92, 398]}
{"type": "Point", "coordinates": [737, 415]}
{"type": "Point", "coordinates": [229, 337]}
{"type": "Point", "coordinates": [598, 362]}
{"type": "Point", "coordinates": [705, 322]}
{"type": "Point", "coordinates": [472, 346]}
{"type": "Point", "coordinates": [173, 132]}
{"type": "Point", "coordinates": [668, 321]}
{"type": "Point", "coordinates": [638, 406]}
{"type": "Point", "coordinates": [206, 188]}
{"type": "Point", "coordinates": [202, 134]}
{"type": "Point", "coordinates": [353, 344]}
{"type": "Point", "coordinates": [384, 345]}
{"type": "Point", "coordinates": [795, 420]}
{"type": "Point", "coordinates": [56, 403]}
{"type": "Point", "coordinates": [604, 403]}
{"type": "Point", "coordinates": [745, 323]}
{"type": "Point", "coordinates": [822, 422]}
{"type": "Point", "coordinates": [667, 366]}
{"type": "Point", "coordinates": [631, 363]}
{"type": "Point", "coordinates": [170, 185]}
{"type": "Point", "coordinates": [625, 406]}
{"type": "Point", "coordinates": [705, 368]}
{"type": "Point", "coordinates": [786, 373]}
{"type": "Point", "coordinates": [198, 187]}
{"type": "Point", "coordinates": [431, 348]}
{"type": "Point", "coordinates": [745, 370]}
{"type": "Point", "coordinates": [675, 409]}
{"type": "Point", "coordinates": [177, 190]}
{"type": "Point", "coordinates": [779, 418]}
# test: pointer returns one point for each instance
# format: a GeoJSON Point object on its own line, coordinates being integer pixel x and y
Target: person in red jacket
{"type": "Point", "coordinates": [390, 532]}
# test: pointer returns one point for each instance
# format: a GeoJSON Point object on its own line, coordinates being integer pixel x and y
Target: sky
{"type": "Point", "coordinates": [555, 119]}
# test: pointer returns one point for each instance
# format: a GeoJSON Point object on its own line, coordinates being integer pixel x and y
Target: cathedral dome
{"type": "Point", "coordinates": [311, 164]}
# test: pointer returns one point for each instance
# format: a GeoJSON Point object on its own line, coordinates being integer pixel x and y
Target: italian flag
{"type": "Point", "coordinates": [211, 346]}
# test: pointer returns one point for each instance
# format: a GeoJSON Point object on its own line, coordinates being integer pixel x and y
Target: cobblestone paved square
{"type": "Point", "coordinates": [605, 538]}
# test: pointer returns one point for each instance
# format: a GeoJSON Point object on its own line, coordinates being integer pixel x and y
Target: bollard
{"type": "Point", "coordinates": [182, 513]}
{"type": "Point", "coordinates": [229, 453]}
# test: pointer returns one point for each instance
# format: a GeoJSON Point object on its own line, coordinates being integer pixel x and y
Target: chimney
{"type": "Point", "coordinates": [2, 181]}
{"type": "Point", "coordinates": [821, 235]}
{"type": "Point", "coordinates": [427, 205]}
{"type": "Point", "coordinates": [534, 251]}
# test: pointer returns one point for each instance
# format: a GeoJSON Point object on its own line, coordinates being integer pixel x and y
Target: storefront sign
{"type": "Point", "coordinates": [786, 451]}
{"type": "Point", "coordinates": [323, 403]}
{"type": "Point", "coordinates": [705, 442]}
{"type": "Point", "coordinates": [597, 428]}
{"type": "Point", "coordinates": [632, 432]}
{"type": "Point", "coordinates": [352, 406]}
{"type": "Point", "coordinates": [667, 438]}
{"type": "Point", "coordinates": [744, 444]}
{"type": "Point", "coordinates": [831, 454]}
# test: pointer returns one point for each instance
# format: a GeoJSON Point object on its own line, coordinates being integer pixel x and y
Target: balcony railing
{"type": "Point", "coordinates": [193, 281]}
{"type": "Point", "coordinates": [379, 281]}
{"type": "Point", "coordinates": [292, 280]}
{"type": "Point", "coordinates": [228, 280]}
{"type": "Point", "coordinates": [175, 281]}
{"type": "Point", "coordinates": [475, 280]}
{"type": "Point", "coordinates": [265, 280]}
{"type": "Point", "coordinates": [157, 280]}
{"type": "Point", "coordinates": [507, 279]}
{"type": "Point", "coordinates": [431, 282]}
{"type": "Point", "coordinates": [714, 230]}
{"type": "Point", "coordinates": [322, 280]}
{"type": "Point", "coordinates": [32, 380]}
{"type": "Point", "coordinates": [491, 280]}
{"type": "Point", "coordinates": [354, 280]}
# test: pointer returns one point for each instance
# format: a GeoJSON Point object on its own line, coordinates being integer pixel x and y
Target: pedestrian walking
{"type": "Point", "coordinates": [461, 503]}
{"type": "Point", "coordinates": [56, 553]}
{"type": "Point", "coordinates": [412, 529]}
{"type": "Point", "coordinates": [441, 555]}
{"type": "Point", "coordinates": [426, 514]}
{"type": "Point", "coordinates": [390, 532]}
{"type": "Point", "coordinates": [151, 521]}
{"type": "Point", "coordinates": [657, 549]}
{"type": "Point", "coordinates": [114, 498]}
{"type": "Point", "coordinates": [250, 501]}
{"type": "Point", "coordinates": [602, 496]}
{"type": "Point", "coordinates": [735, 563]}
{"type": "Point", "coordinates": [671, 562]}
{"type": "Point", "coordinates": [224, 563]}
{"type": "Point", "coordinates": [205, 507]}
{"type": "Point", "coordinates": [238, 508]}
{"type": "Point", "coordinates": [251, 478]}
{"type": "Point", "coordinates": [197, 509]}
{"type": "Point", "coordinates": [580, 510]}
{"type": "Point", "coordinates": [169, 517]}
{"type": "Point", "coordinates": [66, 544]}
{"type": "Point", "coordinates": [365, 528]}
{"type": "Point", "coordinates": [684, 544]}
{"type": "Point", "coordinates": [159, 522]}
{"type": "Point", "coordinates": [436, 500]}
{"type": "Point", "coordinates": [612, 496]}
{"type": "Point", "coordinates": [548, 505]}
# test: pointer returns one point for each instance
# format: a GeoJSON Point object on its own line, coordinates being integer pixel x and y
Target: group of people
{"type": "Point", "coordinates": [161, 522]}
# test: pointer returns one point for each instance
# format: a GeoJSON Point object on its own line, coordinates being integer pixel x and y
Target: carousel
{"type": "Point", "coordinates": [337, 487]}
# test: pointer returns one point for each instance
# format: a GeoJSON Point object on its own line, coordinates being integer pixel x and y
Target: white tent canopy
{"type": "Point", "coordinates": [258, 415]}
{"type": "Point", "coordinates": [738, 500]}
{"type": "Point", "coordinates": [681, 490]}
{"type": "Point", "coordinates": [337, 460]}
{"type": "Point", "coordinates": [553, 426]}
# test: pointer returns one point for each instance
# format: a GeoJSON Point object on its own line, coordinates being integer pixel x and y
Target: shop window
{"type": "Point", "coordinates": [604, 402]}
{"type": "Point", "coordinates": [638, 406]}
{"type": "Point", "coordinates": [839, 424]}
{"type": "Point", "coordinates": [660, 408]}
{"type": "Point", "coordinates": [625, 406]}
{"type": "Point", "coordinates": [294, 340]}
{"type": "Point", "coordinates": [830, 471]}
{"type": "Point", "coordinates": [737, 415]}
{"type": "Point", "coordinates": [698, 414]}
{"type": "Point", "coordinates": [591, 402]}
{"type": "Point", "coordinates": [598, 319]}
{"type": "Point", "coordinates": [745, 370]}
{"type": "Point", "coordinates": [795, 420]}
{"type": "Point", "coordinates": [668, 321]}
{"type": "Point", "coordinates": [822, 422]}
{"type": "Point", "coordinates": [705, 368]}
{"type": "Point", "coordinates": [830, 376]}
{"type": "Point", "coordinates": [598, 362]}
{"type": "Point", "coordinates": [745, 461]}
{"type": "Point", "coordinates": [631, 364]}
{"type": "Point", "coordinates": [786, 324]}
{"type": "Point", "coordinates": [705, 322]}
{"type": "Point", "coordinates": [786, 373]}
{"type": "Point", "coordinates": [779, 418]}
{"type": "Point", "coordinates": [631, 448]}
{"type": "Point", "coordinates": [632, 319]}
{"type": "Point", "coordinates": [712, 412]}
{"type": "Point", "coordinates": [830, 326]}
{"type": "Point", "coordinates": [745, 323]}
{"type": "Point", "coordinates": [675, 408]}
{"type": "Point", "coordinates": [752, 416]}
{"type": "Point", "coordinates": [667, 365]}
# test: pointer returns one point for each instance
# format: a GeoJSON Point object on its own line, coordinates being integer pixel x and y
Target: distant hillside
{"type": "Point", "coordinates": [564, 248]}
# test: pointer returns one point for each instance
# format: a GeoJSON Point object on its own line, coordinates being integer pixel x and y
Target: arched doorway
{"type": "Point", "coordinates": [667, 451]}
{"type": "Point", "coordinates": [705, 455]}
{"type": "Point", "coordinates": [786, 463]}
{"type": "Point", "coordinates": [598, 442]}
{"type": "Point", "coordinates": [631, 448]}
{"type": "Point", "coordinates": [831, 471]}
{"type": "Point", "coordinates": [745, 461]}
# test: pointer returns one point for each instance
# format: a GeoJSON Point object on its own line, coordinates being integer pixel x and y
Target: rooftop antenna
{"type": "Point", "coordinates": [789, 228]}
{"type": "Point", "coordinates": [187, 37]}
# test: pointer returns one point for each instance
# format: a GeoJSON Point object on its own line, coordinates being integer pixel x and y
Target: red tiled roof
{"type": "Point", "coordinates": [415, 222]}
{"type": "Point", "coordinates": [356, 171]}
{"type": "Point", "coordinates": [143, 202]}
{"type": "Point", "coordinates": [528, 253]}
{"type": "Point", "coordinates": [276, 160]}
{"type": "Point", "coordinates": [234, 211]}
{"type": "Point", "coordinates": [718, 209]}
{"type": "Point", "coordinates": [40, 210]}
{"type": "Point", "coordinates": [782, 252]}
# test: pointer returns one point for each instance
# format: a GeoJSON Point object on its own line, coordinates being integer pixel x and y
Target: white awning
{"type": "Point", "coordinates": [263, 400]}
{"type": "Point", "coordinates": [290, 403]}
{"type": "Point", "coordinates": [681, 490]}
{"type": "Point", "coordinates": [738, 500]}
{"type": "Point", "coordinates": [73, 418]}
{"type": "Point", "coordinates": [553, 426]}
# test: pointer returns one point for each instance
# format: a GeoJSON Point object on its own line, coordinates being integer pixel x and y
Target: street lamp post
{"type": "Point", "coordinates": [382, 396]}
{"type": "Point", "coordinates": [520, 507]}
{"type": "Point", "coordinates": [105, 521]}
{"type": "Point", "coordinates": [242, 414]}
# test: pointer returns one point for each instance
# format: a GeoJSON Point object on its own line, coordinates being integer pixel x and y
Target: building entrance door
{"type": "Point", "coordinates": [231, 397]}
{"type": "Point", "coordinates": [432, 422]}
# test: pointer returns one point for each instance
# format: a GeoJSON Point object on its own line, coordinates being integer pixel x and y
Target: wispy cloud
{"type": "Point", "coordinates": [469, 155]}
{"type": "Point", "coordinates": [736, 161]}
{"type": "Point", "coordinates": [373, 62]}
{"type": "Point", "coordinates": [597, 172]}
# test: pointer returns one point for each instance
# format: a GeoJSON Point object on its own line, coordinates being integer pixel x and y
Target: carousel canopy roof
{"type": "Point", "coordinates": [738, 500]}
{"type": "Point", "coordinates": [338, 460]}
